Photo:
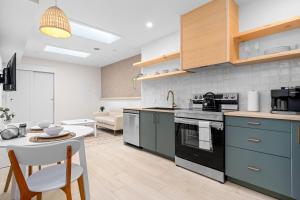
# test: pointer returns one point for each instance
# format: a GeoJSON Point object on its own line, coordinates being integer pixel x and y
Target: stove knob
{"type": "Point", "coordinates": [195, 97]}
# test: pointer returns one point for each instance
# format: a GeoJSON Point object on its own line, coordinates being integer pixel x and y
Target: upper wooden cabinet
{"type": "Point", "coordinates": [207, 34]}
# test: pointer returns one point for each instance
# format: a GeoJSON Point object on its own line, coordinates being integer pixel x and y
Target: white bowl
{"type": "Point", "coordinates": [53, 131]}
{"type": "Point", "coordinates": [44, 124]}
{"type": "Point", "coordinates": [164, 71]}
{"type": "Point", "coordinates": [175, 70]}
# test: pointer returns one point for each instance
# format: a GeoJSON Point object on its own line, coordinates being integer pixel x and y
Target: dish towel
{"type": "Point", "coordinates": [205, 140]}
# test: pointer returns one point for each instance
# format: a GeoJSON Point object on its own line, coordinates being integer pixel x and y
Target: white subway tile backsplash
{"type": "Point", "coordinates": [262, 77]}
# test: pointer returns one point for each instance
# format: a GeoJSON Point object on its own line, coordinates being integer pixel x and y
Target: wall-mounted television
{"type": "Point", "coordinates": [8, 77]}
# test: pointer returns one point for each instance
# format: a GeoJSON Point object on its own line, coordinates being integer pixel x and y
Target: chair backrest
{"type": "Point", "coordinates": [44, 154]}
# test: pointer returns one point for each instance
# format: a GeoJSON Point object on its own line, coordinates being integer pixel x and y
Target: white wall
{"type": "Point", "coordinates": [1, 89]}
{"type": "Point", "coordinates": [164, 45]}
{"type": "Point", "coordinates": [77, 87]}
{"type": "Point", "coordinates": [119, 104]}
{"type": "Point", "coordinates": [256, 13]}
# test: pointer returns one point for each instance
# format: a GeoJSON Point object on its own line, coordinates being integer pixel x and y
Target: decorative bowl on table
{"type": "Point", "coordinates": [53, 131]}
{"type": "Point", "coordinates": [44, 124]}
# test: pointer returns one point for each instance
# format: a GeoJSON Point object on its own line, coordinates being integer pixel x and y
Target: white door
{"type": "Point", "coordinates": [34, 99]}
{"type": "Point", "coordinates": [42, 94]}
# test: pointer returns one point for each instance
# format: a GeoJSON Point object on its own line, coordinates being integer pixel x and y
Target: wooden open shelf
{"type": "Point", "coordinates": [270, 57]}
{"type": "Point", "coordinates": [176, 73]}
{"type": "Point", "coordinates": [270, 29]}
{"type": "Point", "coordinates": [160, 59]}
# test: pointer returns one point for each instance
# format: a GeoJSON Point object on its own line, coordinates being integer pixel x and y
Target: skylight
{"type": "Point", "coordinates": [91, 33]}
{"type": "Point", "coordinates": [68, 52]}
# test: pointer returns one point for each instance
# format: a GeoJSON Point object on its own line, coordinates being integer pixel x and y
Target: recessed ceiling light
{"type": "Point", "coordinates": [84, 31]}
{"type": "Point", "coordinates": [149, 24]}
{"type": "Point", "coordinates": [68, 52]}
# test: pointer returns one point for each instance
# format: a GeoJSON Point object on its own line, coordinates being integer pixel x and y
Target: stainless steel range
{"type": "Point", "coordinates": [200, 134]}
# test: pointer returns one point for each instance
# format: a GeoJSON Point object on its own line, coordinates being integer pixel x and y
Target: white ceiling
{"type": "Point", "coordinates": [16, 17]}
{"type": "Point", "coordinates": [126, 18]}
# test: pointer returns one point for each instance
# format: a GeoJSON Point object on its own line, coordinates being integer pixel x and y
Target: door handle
{"type": "Point", "coordinates": [299, 135]}
{"type": "Point", "coordinates": [253, 123]}
{"type": "Point", "coordinates": [254, 140]}
{"type": "Point", "coordinates": [255, 169]}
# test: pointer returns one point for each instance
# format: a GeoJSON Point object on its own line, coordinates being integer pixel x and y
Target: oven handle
{"type": "Point", "coordinates": [217, 125]}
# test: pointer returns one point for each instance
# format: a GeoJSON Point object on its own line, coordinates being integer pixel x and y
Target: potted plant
{"type": "Point", "coordinates": [5, 116]}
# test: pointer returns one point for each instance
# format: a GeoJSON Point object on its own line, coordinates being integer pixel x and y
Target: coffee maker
{"type": "Point", "coordinates": [286, 100]}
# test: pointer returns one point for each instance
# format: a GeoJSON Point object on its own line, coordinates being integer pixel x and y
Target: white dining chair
{"type": "Point", "coordinates": [49, 178]}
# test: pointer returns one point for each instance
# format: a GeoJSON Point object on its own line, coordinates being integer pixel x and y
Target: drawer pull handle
{"type": "Point", "coordinates": [255, 169]}
{"type": "Point", "coordinates": [254, 123]}
{"type": "Point", "coordinates": [254, 140]}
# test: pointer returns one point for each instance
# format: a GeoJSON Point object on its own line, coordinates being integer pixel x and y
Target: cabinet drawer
{"type": "Point", "coordinates": [266, 141]}
{"type": "Point", "coordinates": [266, 171]}
{"type": "Point", "coordinates": [268, 124]}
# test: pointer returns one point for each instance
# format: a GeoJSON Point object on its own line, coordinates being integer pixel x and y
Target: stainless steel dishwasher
{"type": "Point", "coordinates": [131, 126]}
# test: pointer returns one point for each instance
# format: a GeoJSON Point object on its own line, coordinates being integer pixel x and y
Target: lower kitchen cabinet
{"type": "Point", "coordinates": [258, 153]}
{"type": "Point", "coordinates": [296, 160]}
{"type": "Point", "coordinates": [266, 171]}
{"type": "Point", "coordinates": [148, 130]}
{"type": "Point", "coordinates": [165, 134]}
{"type": "Point", "coordinates": [157, 132]}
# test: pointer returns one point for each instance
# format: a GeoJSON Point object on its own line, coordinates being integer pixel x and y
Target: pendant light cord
{"type": "Point", "coordinates": [56, 3]}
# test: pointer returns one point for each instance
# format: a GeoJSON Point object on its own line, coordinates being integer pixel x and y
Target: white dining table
{"type": "Point", "coordinates": [80, 132]}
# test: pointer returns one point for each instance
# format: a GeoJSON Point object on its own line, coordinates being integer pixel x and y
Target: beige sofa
{"type": "Point", "coordinates": [112, 119]}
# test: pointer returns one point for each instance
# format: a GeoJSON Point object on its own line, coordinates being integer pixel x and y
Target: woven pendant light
{"type": "Point", "coordinates": [54, 23]}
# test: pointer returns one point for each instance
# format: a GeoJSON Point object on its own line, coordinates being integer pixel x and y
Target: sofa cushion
{"type": "Point", "coordinates": [106, 120]}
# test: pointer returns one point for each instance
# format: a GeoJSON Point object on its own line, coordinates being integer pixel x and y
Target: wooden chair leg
{"type": "Point", "coordinates": [68, 193]}
{"type": "Point", "coordinates": [39, 196]}
{"type": "Point", "coordinates": [81, 187]}
{"type": "Point", "coordinates": [29, 170]}
{"type": "Point", "coordinates": [8, 179]}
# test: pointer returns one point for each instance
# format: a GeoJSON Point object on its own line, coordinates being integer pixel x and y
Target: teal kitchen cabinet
{"type": "Point", "coordinates": [148, 130]}
{"type": "Point", "coordinates": [296, 160]}
{"type": "Point", "coordinates": [157, 132]}
{"type": "Point", "coordinates": [258, 153]}
{"type": "Point", "coordinates": [266, 171]}
{"type": "Point", "coordinates": [165, 134]}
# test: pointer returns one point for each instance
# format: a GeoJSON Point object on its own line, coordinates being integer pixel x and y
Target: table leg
{"type": "Point", "coordinates": [82, 158]}
{"type": "Point", "coordinates": [15, 192]}
{"type": "Point", "coordinates": [95, 129]}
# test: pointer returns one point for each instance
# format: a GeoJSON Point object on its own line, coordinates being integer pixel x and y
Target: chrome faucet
{"type": "Point", "coordinates": [173, 102]}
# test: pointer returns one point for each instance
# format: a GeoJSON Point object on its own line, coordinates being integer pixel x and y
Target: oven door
{"type": "Point", "coordinates": [187, 143]}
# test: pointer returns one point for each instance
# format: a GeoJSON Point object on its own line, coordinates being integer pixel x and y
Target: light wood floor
{"type": "Point", "coordinates": [121, 172]}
